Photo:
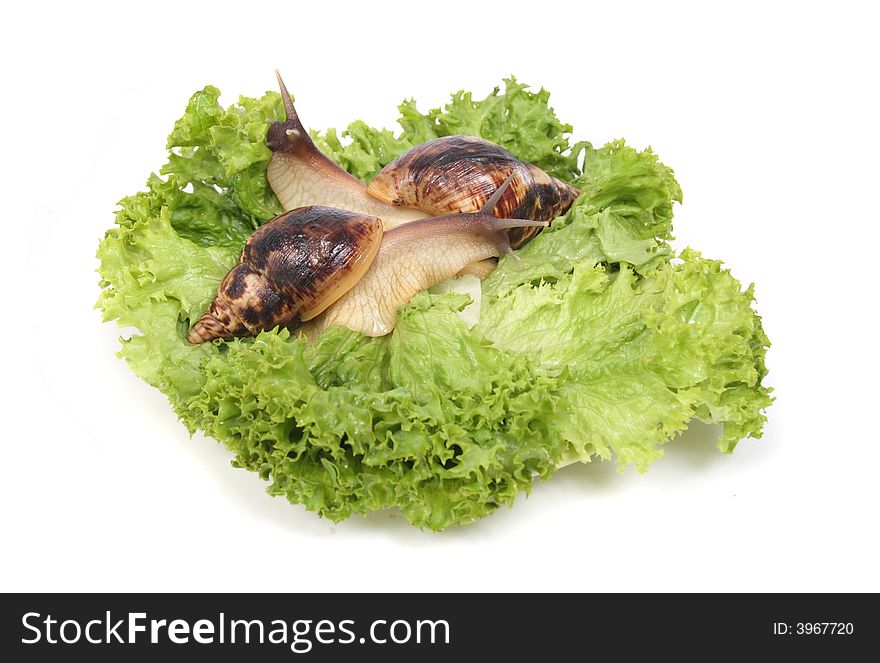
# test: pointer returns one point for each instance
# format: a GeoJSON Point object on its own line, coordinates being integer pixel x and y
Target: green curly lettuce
{"type": "Point", "coordinates": [598, 343]}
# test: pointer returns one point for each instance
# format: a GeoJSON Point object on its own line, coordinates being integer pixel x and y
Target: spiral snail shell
{"type": "Point", "coordinates": [320, 259]}
{"type": "Point", "coordinates": [291, 269]}
{"type": "Point", "coordinates": [459, 173]}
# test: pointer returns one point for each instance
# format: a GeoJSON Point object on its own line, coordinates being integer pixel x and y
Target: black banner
{"type": "Point", "coordinates": [325, 627]}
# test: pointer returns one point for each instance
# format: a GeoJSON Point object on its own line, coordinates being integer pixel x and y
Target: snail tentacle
{"type": "Point", "coordinates": [289, 109]}
{"type": "Point", "coordinates": [489, 207]}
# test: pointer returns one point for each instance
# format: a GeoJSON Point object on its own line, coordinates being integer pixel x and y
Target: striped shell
{"type": "Point", "coordinates": [290, 270]}
{"type": "Point", "coordinates": [459, 173]}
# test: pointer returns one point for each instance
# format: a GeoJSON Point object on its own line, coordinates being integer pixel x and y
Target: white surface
{"type": "Point", "coordinates": [768, 113]}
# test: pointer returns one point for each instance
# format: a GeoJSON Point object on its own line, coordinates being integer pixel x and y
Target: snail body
{"type": "Point", "coordinates": [449, 175]}
{"type": "Point", "coordinates": [315, 260]}
{"type": "Point", "coordinates": [414, 257]}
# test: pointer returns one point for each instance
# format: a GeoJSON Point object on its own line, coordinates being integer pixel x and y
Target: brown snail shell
{"type": "Point", "coordinates": [291, 269]}
{"type": "Point", "coordinates": [457, 174]}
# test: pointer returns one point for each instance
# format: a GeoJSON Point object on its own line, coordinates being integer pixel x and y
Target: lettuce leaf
{"type": "Point", "coordinates": [642, 356]}
{"type": "Point", "coordinates": [598, 343]}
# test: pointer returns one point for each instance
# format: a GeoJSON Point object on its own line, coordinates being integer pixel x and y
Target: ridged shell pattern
{"type": "Point", "coordinates": [291, 269]}
{"type": "Point", "coordinates": [459, 173]}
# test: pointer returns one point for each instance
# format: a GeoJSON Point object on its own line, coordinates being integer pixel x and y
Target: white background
{"type": "Point", "coordinates": [768, 113]}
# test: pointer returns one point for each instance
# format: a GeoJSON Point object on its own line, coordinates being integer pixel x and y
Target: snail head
{"type": "Point", "coordinates": [285, 135]}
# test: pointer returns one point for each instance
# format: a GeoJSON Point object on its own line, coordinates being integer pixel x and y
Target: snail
{"type": "Point", "coordinates": [290, 269]}
{"type": "Point", "coordinates": [321, 259]}
{"type": "Point", "coordinates": [449, 175]}
{"type": "Point", "coordinates": [459, 173]}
